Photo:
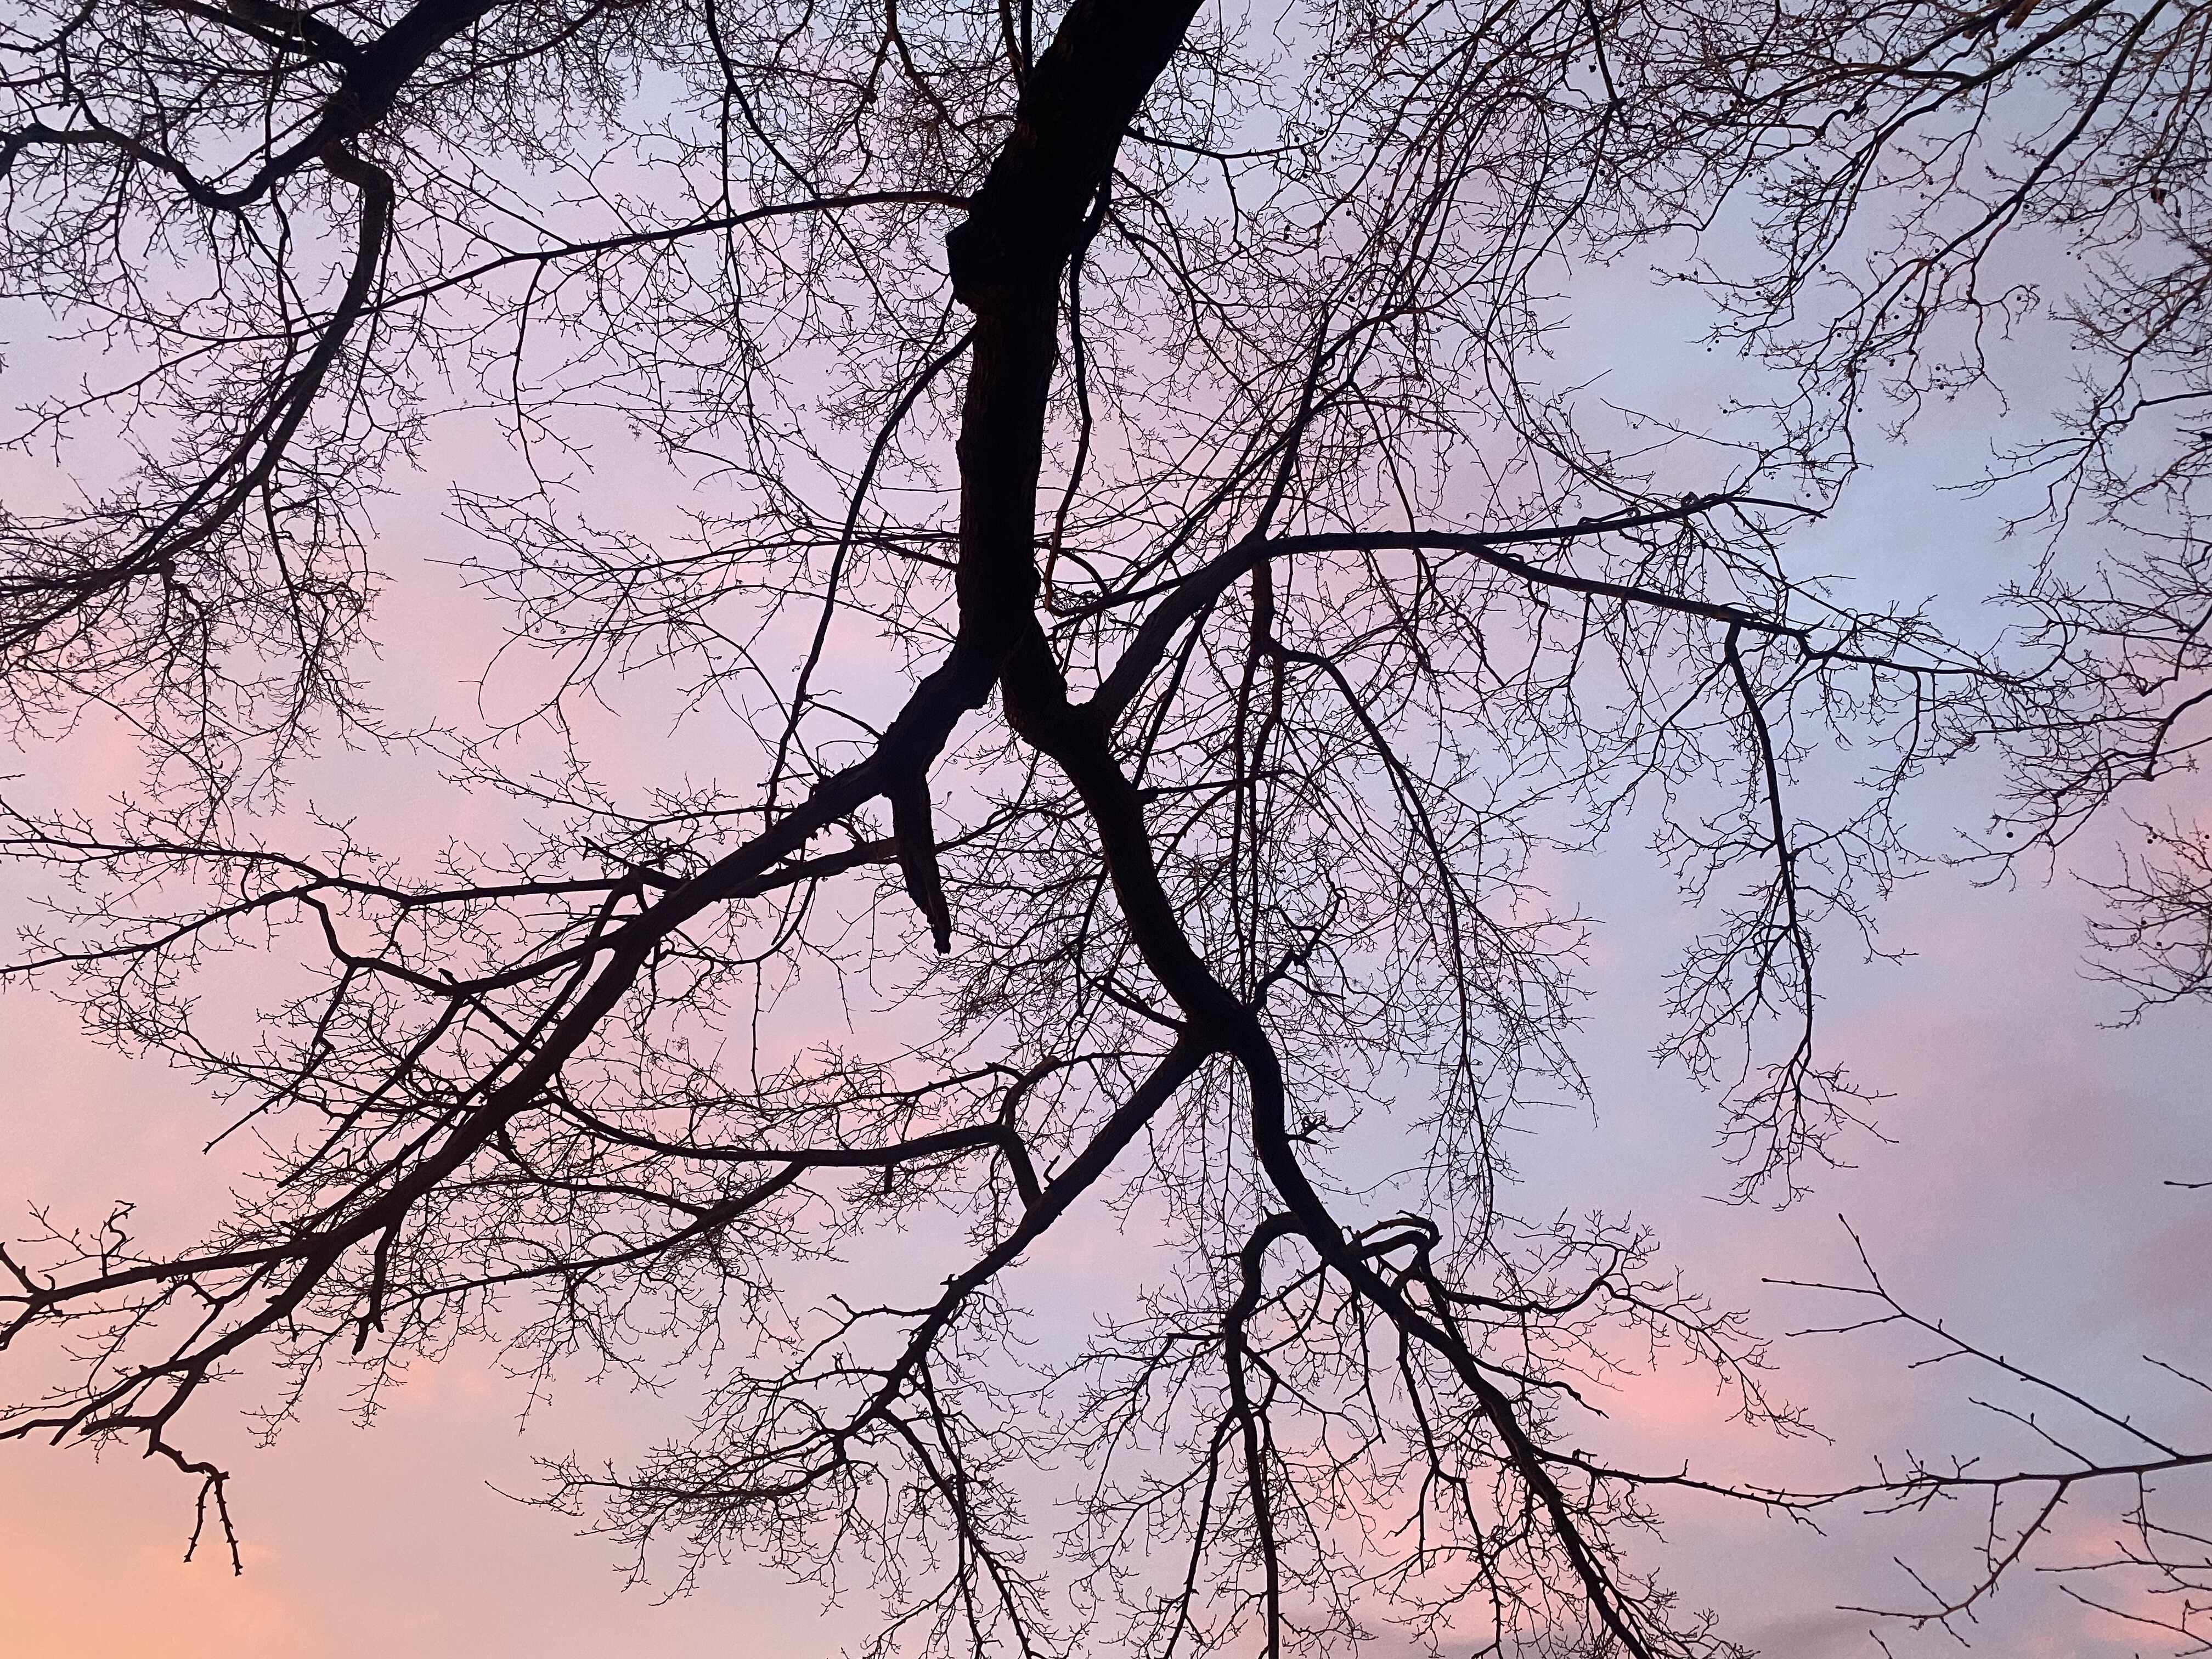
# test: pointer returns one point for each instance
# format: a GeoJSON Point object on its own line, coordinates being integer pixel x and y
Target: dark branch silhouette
{"type": "Point", "coordinates": [1139, 545]}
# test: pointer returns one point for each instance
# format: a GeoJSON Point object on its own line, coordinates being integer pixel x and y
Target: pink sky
{"type": "Point", "coordinates": [2022, 1201]}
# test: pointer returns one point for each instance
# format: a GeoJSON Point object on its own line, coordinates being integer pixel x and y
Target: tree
{"type": "Point", "coordinates": [1150, 599]}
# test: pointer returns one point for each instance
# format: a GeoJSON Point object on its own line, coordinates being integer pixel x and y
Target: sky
{"type": "Point", "coordinates": [2020, 1195]}
{"type": "Point", "coordinates": [2021, 1191]}
{"type": "Point", "coordinates": [2022, 1199]}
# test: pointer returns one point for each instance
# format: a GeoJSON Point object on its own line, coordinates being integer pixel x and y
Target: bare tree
{"type": "Point", "coordinates": [1150, 598]}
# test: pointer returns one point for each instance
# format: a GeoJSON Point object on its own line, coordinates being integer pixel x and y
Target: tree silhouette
{"type": "Point", "coordinates": [1151, 602]}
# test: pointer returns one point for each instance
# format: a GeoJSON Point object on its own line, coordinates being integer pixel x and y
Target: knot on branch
{"type": "Point", "coordinates": [916, 839]}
